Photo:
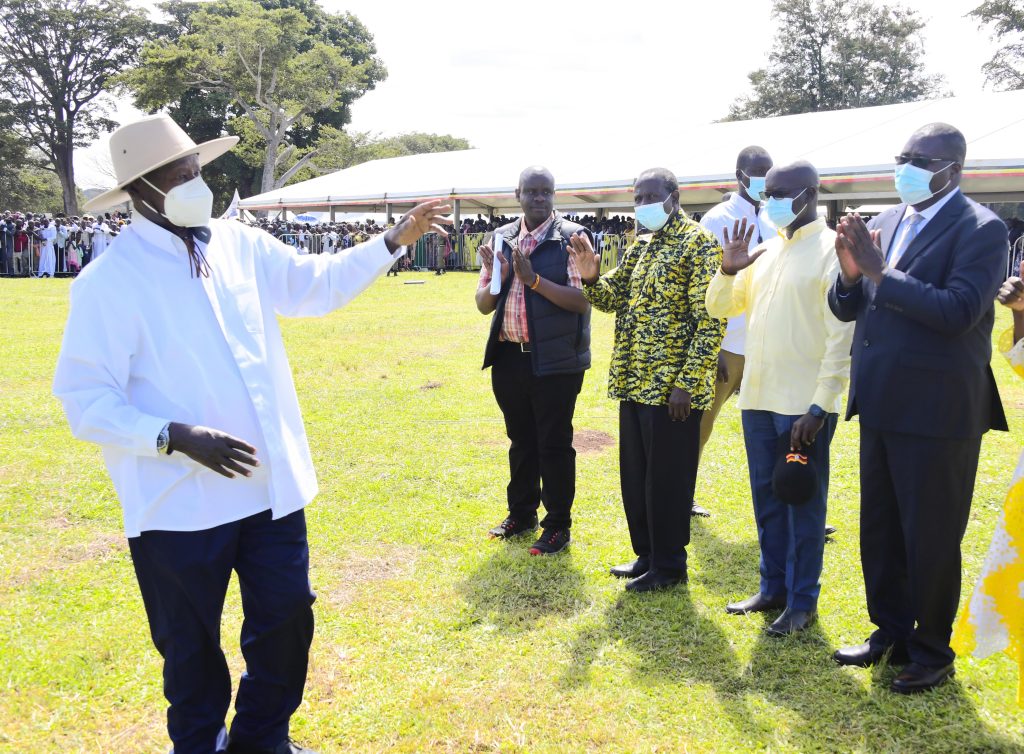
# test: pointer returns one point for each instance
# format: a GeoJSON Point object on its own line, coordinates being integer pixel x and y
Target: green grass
{"type": "Point", "coordinates": [429, 636]}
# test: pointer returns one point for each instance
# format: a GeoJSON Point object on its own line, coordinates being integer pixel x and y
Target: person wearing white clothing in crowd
{"type": "Point", "coordinates": [47, 259]}
{"type": "Point", "coordinates": [100, 237]}
{"type": "Point", "coordinates": [173, 362]}
{"type": "Point", "coordinates": [752, 165]}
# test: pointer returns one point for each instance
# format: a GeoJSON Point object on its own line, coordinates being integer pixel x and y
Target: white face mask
{"type": "Point", "coordinates": [188, 205]}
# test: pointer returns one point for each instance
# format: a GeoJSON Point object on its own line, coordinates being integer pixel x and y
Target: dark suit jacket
{"type": "Point", "coordinates": [923, 339]}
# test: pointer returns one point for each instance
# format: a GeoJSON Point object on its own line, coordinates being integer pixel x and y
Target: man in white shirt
{"type": "Point", "coordinates": [173, 362]}
{"type": "Point", "coordinates": [100, 236]}
{"type": "Point", "coordinates": [752, 165]}
{"type": "Point", "coordinates": [47, 233]}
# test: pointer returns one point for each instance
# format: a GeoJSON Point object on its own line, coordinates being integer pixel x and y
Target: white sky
{"type": "Point", "coordinates": [568, 71]}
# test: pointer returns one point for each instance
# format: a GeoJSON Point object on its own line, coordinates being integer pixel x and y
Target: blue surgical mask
{"type": "Point", "coordinates": [652, 216]}
{"type": "Point", "coordinates": [756, 188]}
{"type": "Point", "coordinates": [913, 184]}
{"type": "Point", "coordinates": [780, 211]}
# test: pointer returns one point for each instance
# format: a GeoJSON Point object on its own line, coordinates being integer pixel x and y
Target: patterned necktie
{"type": "Point", "coordinates": [908, 233]}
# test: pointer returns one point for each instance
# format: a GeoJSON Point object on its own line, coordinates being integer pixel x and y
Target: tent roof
{"type": "Point", "coordinates": [852, 150]}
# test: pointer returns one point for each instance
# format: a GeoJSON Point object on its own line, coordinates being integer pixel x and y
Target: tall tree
{"type": "Point", "coordinates": [57, 57]}
{"type": "Point", "coordinates": [1006, 17]}
{"type": "Point", "coordinates": [838, 54]}
{"type": "Point", "coordinates": [286, 65]}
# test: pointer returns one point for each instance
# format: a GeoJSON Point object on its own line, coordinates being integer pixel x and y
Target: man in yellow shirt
{"type": "Point", "coordinates": [797, 366]}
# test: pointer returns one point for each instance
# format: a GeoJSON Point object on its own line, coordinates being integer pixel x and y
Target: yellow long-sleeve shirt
{"type": "Point", "coordinates": [798, 353]}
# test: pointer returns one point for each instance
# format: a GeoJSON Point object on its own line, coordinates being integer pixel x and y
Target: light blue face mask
{"type": "Point", "coordinates": [652, 216]}
{"type": "Point", "coordinates": [756, 188]}
{"type": "Point", "coordinates": [913, 184]}
{"type": "Point", "coordinates": [780, 211]}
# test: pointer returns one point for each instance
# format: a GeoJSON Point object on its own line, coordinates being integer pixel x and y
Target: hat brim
{"type": "Point", "coordinates": [208, 151]}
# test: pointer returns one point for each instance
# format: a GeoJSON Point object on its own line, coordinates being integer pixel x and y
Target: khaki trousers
{"type": "Point", "coordinates": [734, 364]}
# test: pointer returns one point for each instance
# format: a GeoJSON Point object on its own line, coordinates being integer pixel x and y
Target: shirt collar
{"type": "Point", "coordinates": [540, 231]}
{"type": "Point", "coordinates": [812, 228]}
{"type": "Point", "coordinates": [741, 205]}
{"type": "Point", "coordinates": [932, 211]}
{"type": "Point", "coordinates": [162, 238]}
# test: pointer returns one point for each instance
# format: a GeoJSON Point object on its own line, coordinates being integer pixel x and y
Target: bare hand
{"type": "Point", "coordinates": [848, 269]}
{"type": "Point", "coordinates": [523, 268]}
{"type": "Point", "coordinates": [487, 258]}
{"type": "Point", "coordinates": [736, 254]}
{"type": "Point", "coordinates": [213, 449]}
{"type": "Point", "coordinates": [804, 431]}
{"type": "Point", "coordinates": [423, 218]}
{"type": "Point", "coordinates": [723, 369]}
{"type": "Point", "coordinates": [864, 246]}
{"type": "Point", "coordinates": [1011, 294]}
{"type": "Point", "coordinates": [678, 405]}
{"type": "Point", "coordinates": [588, 262]}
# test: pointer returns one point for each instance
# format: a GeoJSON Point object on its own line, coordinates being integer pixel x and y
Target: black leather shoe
{"type": "Point", "coordinates": [655, 579]}
{"type": "Point", "coordinates": [915, 678]}
{"type": "Point", "coordinates": [512, 527]}
{"type": "Point", "coordinates": [791, 622]}
{"type": "Point", "coordinates": [864, 655]}
{"type": "Point", "coordinates": [759, 603]}
{"type": "Point", "coordinates": [830, 530]}
{"type": "Point", "coordinates": [633, 570]}
{"type": "Point", "coordinates": [699, 510]}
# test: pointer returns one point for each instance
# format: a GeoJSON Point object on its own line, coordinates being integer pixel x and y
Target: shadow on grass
{"type": "Point", "coordinates": [790, 692]}
{"type": "Point", "coordinates": [513, 589]}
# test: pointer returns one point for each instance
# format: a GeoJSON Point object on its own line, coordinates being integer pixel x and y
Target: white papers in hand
{"type": "Point", "coordinates": [496, 266]}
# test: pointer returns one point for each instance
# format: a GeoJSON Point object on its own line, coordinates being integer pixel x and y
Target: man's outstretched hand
{"type": "Point", "coordinates": [421, 219]}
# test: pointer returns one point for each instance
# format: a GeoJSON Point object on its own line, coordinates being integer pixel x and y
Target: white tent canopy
{"type": "Point", "coordinates": [852, 149]}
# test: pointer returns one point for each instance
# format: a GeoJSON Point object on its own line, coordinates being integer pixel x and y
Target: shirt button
{"type": "Point", "coordinates": [873, 307]}
{"type": "Point", "coordinates": [867, 342]}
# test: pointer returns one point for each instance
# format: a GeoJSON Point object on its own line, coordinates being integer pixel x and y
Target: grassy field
{"type": "Point", "coordinates": [430, 637]}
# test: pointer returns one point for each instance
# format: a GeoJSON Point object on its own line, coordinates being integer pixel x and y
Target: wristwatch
{"type": "Point", "coordinates": [163, 440]}
{"type": "Point", "coordinates": [817, 411]}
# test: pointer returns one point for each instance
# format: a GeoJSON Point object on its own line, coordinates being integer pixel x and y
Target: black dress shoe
{"type": "Point", "coordinates": [791, 622]}
{"type": "Point", "coordinates": [759, 603]}
{"type": "Point", "coordinates": [915, 678]}
{"type": "Point", "coordinates": [830, 530]}
{"type": "Point", "coordinates": [633, 570]}
{"type": "Point", "coordinates": [655, 579]}
{"type": "Point", "coordinates": [864, 655]}
{"type": "Point", "coordinates": [699, 510]}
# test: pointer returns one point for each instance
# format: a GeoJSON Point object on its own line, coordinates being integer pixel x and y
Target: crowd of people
{"type": "Point", "coordinates": [42, 245]}
{"type": "Point", "coordinates": [208, 454]}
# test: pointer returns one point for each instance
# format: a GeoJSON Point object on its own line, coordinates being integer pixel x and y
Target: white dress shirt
{"type": "Point", "coordinates": [724, 215]}
{"type": "Point", "coordinates": [146, 344]}
{"type": "Point", "coordinates": [99, 239]}
{"type": "Point", "coordinates": [902, 239]}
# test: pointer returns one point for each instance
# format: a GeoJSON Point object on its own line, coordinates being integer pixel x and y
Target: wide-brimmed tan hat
{"type": "Point", "coordinates": [145, 145]}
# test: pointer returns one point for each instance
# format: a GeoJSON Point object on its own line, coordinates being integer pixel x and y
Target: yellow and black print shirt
{"type": "Point", "coordinates": [664, 336]}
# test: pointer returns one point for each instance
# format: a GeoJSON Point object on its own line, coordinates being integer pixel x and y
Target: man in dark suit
{"type": "Point", "coordinates": [919, 280]}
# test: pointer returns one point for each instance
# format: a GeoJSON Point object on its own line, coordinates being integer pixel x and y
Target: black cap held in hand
{"type": "Point", "coordinates": [795, 479]}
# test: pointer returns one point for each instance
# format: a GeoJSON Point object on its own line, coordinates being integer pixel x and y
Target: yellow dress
{"type": "Point", "coordinates": [993, 619]}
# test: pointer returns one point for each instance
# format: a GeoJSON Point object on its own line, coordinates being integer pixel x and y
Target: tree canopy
{"type": "Point", "coordinates": [57, 57]}
{"type": "Point", "coordinates": [1006, 18]}
{"type": "Point", "coordinates": [839, 54]}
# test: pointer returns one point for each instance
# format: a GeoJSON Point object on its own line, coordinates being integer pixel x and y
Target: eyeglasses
{"type": "Point", "coordinates": [920, 162]}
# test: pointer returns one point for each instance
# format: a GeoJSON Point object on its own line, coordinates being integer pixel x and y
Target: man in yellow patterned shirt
{"type": "Point", "coordinates": [797, 366]}
{"type": "Point", "coordinates": [662, 372]}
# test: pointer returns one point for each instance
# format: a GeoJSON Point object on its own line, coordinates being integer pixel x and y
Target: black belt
{"type": "Point", "coordinates": [523, 347]}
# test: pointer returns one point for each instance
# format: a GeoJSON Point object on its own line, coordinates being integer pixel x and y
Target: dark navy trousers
{"type": "Point", "coordinates": [184, 578]}
{"type": "Point", "coordinates": [792, 537]}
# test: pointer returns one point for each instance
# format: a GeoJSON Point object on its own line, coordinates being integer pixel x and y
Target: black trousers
{"type": "Point", "coordinates": [184, 577]}
{"type": "Point", "coordinates": [538, 415]}
{"type": "Point", "coordinates": [658, 472]}
{"type": "Point", "coordinates": [915, 500]}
